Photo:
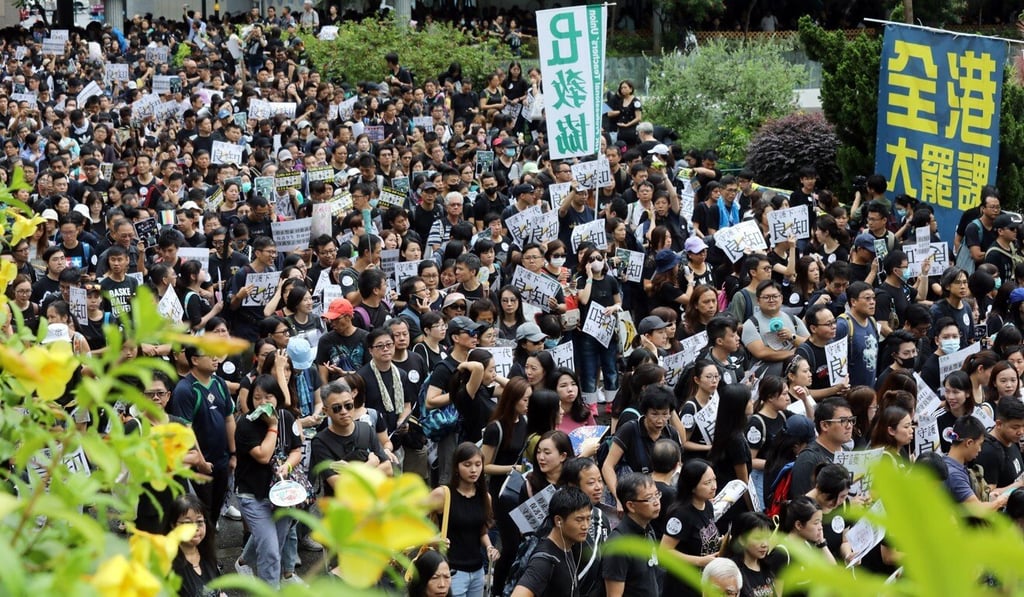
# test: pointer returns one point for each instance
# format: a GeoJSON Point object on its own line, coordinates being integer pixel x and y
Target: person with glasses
{"type": "Point", "coordinates": [388, 390]}
{"type": "Point", "coordinates": [246, 318]}
{"type": "Point", "coordinates": [630, 575]}
{"type": "Point", "coordinates": [344, 439]}
{"type": "Point", "coordinates": [981, 234]}
{"type": "Point", "coordinates": [196, 560]}
{"type": "Point", "coordinates": [756, 269]}
{"type": "Point", "coordinates": [859, 329]}
{"type": "Point", "coordinates": [954, 291]}
{"type": "Point", "coordinates": [834, 421]}
{"type": "Point", "coordinates": [877, 223]}
{"type": "Point", "coordinates": [771, 335]}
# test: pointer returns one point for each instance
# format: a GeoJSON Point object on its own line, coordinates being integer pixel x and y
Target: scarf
{"type": "Point", "coordinates": [391, 406]}
{"type": "Point", "coordinates": [728, 217]}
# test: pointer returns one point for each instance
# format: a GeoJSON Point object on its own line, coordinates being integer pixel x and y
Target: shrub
{"type": "Point", "coordinates": [357, 54]}
{"type": "Point", "coordinates": [781, 147]}
{"type": "Point", "coordinates": [1010, 176]}
{"type": "Point", "coordinates": [719, 95]}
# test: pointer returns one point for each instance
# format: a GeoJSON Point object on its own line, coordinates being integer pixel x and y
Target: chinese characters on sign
{"type": "Point", "coordinates": [938, 117]}
{"type": "Point", "coordinates": [571, 43]}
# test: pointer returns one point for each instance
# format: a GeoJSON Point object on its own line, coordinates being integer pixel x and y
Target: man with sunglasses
{"type": "Point", "coordinates": [344, 439]}
{"type": "Point", "coordinates": [834, 421]}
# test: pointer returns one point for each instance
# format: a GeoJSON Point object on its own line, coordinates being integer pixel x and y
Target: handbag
{"type": "Point", "coordinates": [444, 533]}
{"type": "Point", "coordinates": [438, 423]}
{"type": "Point", "coordinates": [515, 481]}
{"type": "Point", "coordinates": [291, 486]}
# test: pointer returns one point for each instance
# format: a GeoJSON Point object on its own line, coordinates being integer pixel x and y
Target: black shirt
{"type": "Point", "coordinates": [548, 573]}
{"type": "Point", "coordinates": [639, 575]}
{"type": "Point", "coordinates": [1002, 464]}
{"type": "Point", "coordinates": [329, 446]}
{"type": "Point", "coordinates": [696, 534]}
{"type": "Point", "coordinates": [374, 392]}
{"type": "Point", "coordinates": [803, 469]}
{"type": "Point", "coordinates": [251, 476]}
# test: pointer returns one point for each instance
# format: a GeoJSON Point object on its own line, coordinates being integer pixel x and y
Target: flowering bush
{"type": "Point", "coordinates": [781, 147]}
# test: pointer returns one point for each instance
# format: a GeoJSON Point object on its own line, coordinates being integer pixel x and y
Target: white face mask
{"type": "Point", "coordinates": [597, 266]}
{"type": "Point", "coordinates": [558, 261]}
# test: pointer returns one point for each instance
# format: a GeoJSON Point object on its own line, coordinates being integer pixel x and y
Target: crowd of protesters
{"type": "Point", "coordinates": [352, 350]}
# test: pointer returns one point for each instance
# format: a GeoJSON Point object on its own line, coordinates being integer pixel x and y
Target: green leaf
{"type": "Point", "coordinates": [670, 560]}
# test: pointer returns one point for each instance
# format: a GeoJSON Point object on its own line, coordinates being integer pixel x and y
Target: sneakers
{"type": "Point", "coordinates": [243, 569]}
{"type": "Point", "coordinates": [294, 579]}
{"type": "Point", "coordinates": [309, 544]}
{"type": "Point", "coordinates": [231, 512]}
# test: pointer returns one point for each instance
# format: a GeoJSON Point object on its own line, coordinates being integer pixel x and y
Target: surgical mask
{"type": "Point", "coordinates": [373, 202]}
{"type": "Point", "coordinates": [900, 214]}
{"type": "Point", "coordinates": [950, 346]}
{"type": "Point", "coordinates": [906, 274]}
{"type": "Point", "coordinates": [246, 187]}
{"type": "Point", "coordinates": [510, 152]}
{"type": "Point", "coordinates": [550, 343]}
{"type": "Point", "coordinates": [558, 261]}
{"type": "Point", "coordinates": [597, 267]}
{"type": "Point", "coordinates": [999, 283]}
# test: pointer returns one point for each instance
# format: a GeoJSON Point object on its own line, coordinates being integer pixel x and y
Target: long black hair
{"type": "Point", "coordinates": [579, 411]}
{"type": "Point", "coordinates": [731, 421]}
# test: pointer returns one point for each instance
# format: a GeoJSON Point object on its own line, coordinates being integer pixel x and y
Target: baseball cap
{"type": "Point", "coordinates": [464, 324]}
{"type": "Point", "coordinates": [865, 241]}
{"type": "Point", "coordinates": [283, 155]}
{"type": "Point", "coordinates": [301, 353]}
{"type": "Point", "coordinates": [520, 189]}
{"type": "Point", "coordinates": [190, 205]}
{"type": "Point", "coordinates": [659, 149]}
{"type": "Point", "coordinates": [223, 113]}
{"type": "Point", "coordinates": [694, 245]}
{"type": "Point", "coordinates": [50, 214]}
{"type": "Point", "coordinates": [453, 298]}
{"type": "Point", "coordinates": [428, 186]}
{"type": "Point", "coordinates": [530, 331]}
{"type": "Point", "coordinates": [84, 210]}
{"type": "Point", "coordinates": [665, 260]}
{"type": "Point", "coordinates": [1004, 220]}
{"type": "Point", "coordinates": [800, 427]}
{"type": "Point", "coordinates": [651, 323]}
{"type": "Point", "coordinates": [339, 307]}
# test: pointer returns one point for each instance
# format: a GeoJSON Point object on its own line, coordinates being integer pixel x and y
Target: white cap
{"type": "Point", "coordinates": [57, 332]}
{"type": "Point", "coordinates": [659, 149]}
{"type": "Point", "coordinates": [283, 155]}
{"type": "Point", "coordinates": [190, 205]}
{"type": "Point", "coordinates": [84, 210]}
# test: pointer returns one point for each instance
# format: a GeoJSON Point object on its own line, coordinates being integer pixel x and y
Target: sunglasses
{"type": "Point", "coordinates": [347, 406]}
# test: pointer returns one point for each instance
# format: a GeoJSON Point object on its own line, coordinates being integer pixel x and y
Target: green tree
{"type": "Point", "coordinates": [781, 147]}
{"type": "Point", "coordinates": [849, 92]}
{"type": "Point", "coordinates": [718, 96]}
{"type": "Point", "coordinates": [1010, 176]}
{"type": "Point", "coordinates": [357, 54]}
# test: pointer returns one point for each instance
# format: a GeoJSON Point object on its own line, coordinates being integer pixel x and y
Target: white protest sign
{"type": "Point", "coordinates": [60, 34]}
{"type": "Point", "coordinates": [88, 91]}
{"type": "Point", "coordinates": [390, 198]}
{"type": "Point", "coordinates": [982, 414]}
{"type": "Point", "coordinates": [53, 47]}
{"type": "Point", "coordinates": [20, 52]}
{"type": "Point", "coordinates": [24, 97]}
{"type": "Point", "coordinates": [322, 223]}
{"type": "Point", "coordinates": [864, 536]}
{"type": "Point", "coordinates": [949, 363]}
{"type": "Point", "coordinates": [727, 497]}
{"type": "Point", "coordinates": [631, 265]}
{"type": "Point", "coordinates": [200, 254]}
{"type": "Point", "coordinates": [502, 359]}
{"type": "Point", "coordinates": [564, 355]}
{"type": "Point", "coordinates": [162, 84]}
{"type": "Point", "coordinates": [936, 253]}
{"type": "Point", "coordinates": [558, 191]}
{"type": "Point", "coordinates": [328, 32]}
{"type": "Point", "coordinates": [157, 54]}
{"type": "Point", "coordinates": [705, 419]}
{"type": "Point", "coordinates": [116, 72]}
{"type": "Point", "coordinates": [783, 223]}
{"type": "Point", "coordinates": [735, 240]}
{"type": "Point", "coordinates": [922, 238]}
{"type": "Point", "coordinates": [692, 345]}
{"type": "Point", "coordinates": [78, 303]}
{"type": "Point", "coordinates": [320, 173]}
{"type": "Point", "coordinates": [595, 174]}
{"type": "Point", "coordinates": [170, 306]}
{"type": "Point", "coordinates": [292, 235]}
{"type": "Point", "coordinates": [263, 287]}
{"type": "Point", "coordinates": [531, 514]}
{"type": "Point", "coordinates": [520, 224]}
{"type": "Point", "coordinates": [331, 292]}
{"type": "Point", "coordinates": [536, 288]}
{"type": "Point", "coordinates": [590, 232]}
{"type": "Point", "coordinates": [859, 464]}
{"type": "Point", "coordinates": [406, 269]}
{"type": "Point", "coordinates": [927, 435]}
{"type": "Point", "coordinates": [927, 401]}
{"type": "Point", "coordinates": [389, 259]}
{"type": "Point", "coordinates": [571, 42]}
{"type": "Point", "coordinates": [674, 365]}
{"type": "Point", "coordinates": [226, 153]}
{"type": "Point", "coordinates": [838, 358]}
{"type": "Point", "coordinates": [686, 198]}
{"type": "Point", "coordinates": [545, 228]}
{"type": "Point", "coordinates": [600, 326]}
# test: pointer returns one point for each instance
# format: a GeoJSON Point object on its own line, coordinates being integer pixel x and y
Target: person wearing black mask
{"type": "Point", "coordinates": [492, 200]}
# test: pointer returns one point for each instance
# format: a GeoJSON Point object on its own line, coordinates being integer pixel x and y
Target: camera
{"type": "Point", "coordinates": [860, 182]}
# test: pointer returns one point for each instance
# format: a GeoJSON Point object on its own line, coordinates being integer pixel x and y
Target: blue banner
{"type": "Point", "coordinates": [938, 118]}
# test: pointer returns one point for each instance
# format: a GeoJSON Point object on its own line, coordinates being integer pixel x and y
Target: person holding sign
{"type": "Point", "coordinates": [247, 317]}
{"type": "Point", "coordinates": [1000, 454]}
{"type": "Point", "coordinates": [947, 341]}
{"type": "Point", "coordinates": [596, 287]}
{"type": "Point", "coordinates": [857, 326]}
{"type": "Point", "coordinates": [967, 437]}
{"type": "Point", "coordinates": [834, 421]}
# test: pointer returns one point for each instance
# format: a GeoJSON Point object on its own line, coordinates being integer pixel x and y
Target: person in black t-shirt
{"type": "Point", "coordinates": [552, 570]}
{"type": "Point", "coordinates": [749, 549]}
{"type": "Point", "coordinates": [629, 576]}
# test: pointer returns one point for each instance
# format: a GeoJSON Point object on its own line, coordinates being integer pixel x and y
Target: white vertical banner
{"type": "Point", "coordinates": [572, 46]}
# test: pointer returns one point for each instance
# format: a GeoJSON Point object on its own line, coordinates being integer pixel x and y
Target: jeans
{"type": "Point", "coordinates": [290, 553]}
{"type": "Point", "coordinates": [757, 480]}
{"type": "Point", "coordinates": [593, 357]}
{"type": "Point", "coordinates": [268, 538]}
{"type": "Point", "coordinates": [467, 584]}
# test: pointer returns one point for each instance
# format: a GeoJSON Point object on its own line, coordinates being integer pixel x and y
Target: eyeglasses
{"type": "Point", "coordinates": [830, 323]}
{"type": "Point", "coordinates": [844, 421]}
{"type": "Point", "coordinates": [345, 406]}
{"type": "Point", "coordinates": [711, 377]}
{"type": "Point", "coordinates": [155, 393]}
{"type": "Point", "coordinates": [654, 498]}
{"type": "Point", "coordinates": [283, 333]}
{"type": "Point", "coordinates": [771, 297]}
{"type": "Point", "coordinates": [558, 255]}
{"type": "Point", "coordinates": [385, 346]}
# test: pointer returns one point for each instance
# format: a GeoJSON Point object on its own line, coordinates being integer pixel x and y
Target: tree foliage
{"type": "Point", "coordinates": [357, 54]}
{"type": "Point", "coordinates": [849, 92]}
{"type": "Point", "coordinates": [718, 96]}
{"type": "Point", "coordinates": [781, 147]}
{"type": "Point", "coordinates": [1010, 176]}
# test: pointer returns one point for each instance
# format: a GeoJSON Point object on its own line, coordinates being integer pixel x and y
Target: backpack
{"type": "Point", "coordinates": [963, 257]}
{"type": "Point", "coordinates": [524, 554]}
{"type": "Point", "coordinates": [778, 492]}
{"type": "Point", "coordinates": [849, 334]}
{"type": "Point", "coordinates": [436, 423]}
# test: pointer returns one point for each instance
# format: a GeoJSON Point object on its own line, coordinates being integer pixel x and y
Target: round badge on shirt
{"type": "Point", "coordinates": [414, 376]}
{"type": "Point", "coordinates": [838, 525]}
{"type": "Point", "coordinates": [673, 526]}
{"type": "Point", "coordinates": [347, 281]}
{"type": "Point", "coordinates": [754, 435]}
{"type": "Point", "coordinates": [228, 367]}
{"type": "Point", "coordinates": [688, 421]}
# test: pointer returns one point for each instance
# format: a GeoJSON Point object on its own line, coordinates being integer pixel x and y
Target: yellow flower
{"type": "Point", "coordinates": [8, 272]}
{"type": "Point", "coordinates": [174, 440]}
{"type": "Point", "coordinates": [13, 362]}
{"type": "Point", "coordinates": [24, 227]}
{"type": "Point", "coordinates": [213, 344]}
{"type": "Point", "coordinates": [371, 517]}
{"type": "Point", "coordinates": [119, 577]}
{"type": "Point", "coordinates": [159, 550]}
{"type": "Point", "coordinates": [53, 365]}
